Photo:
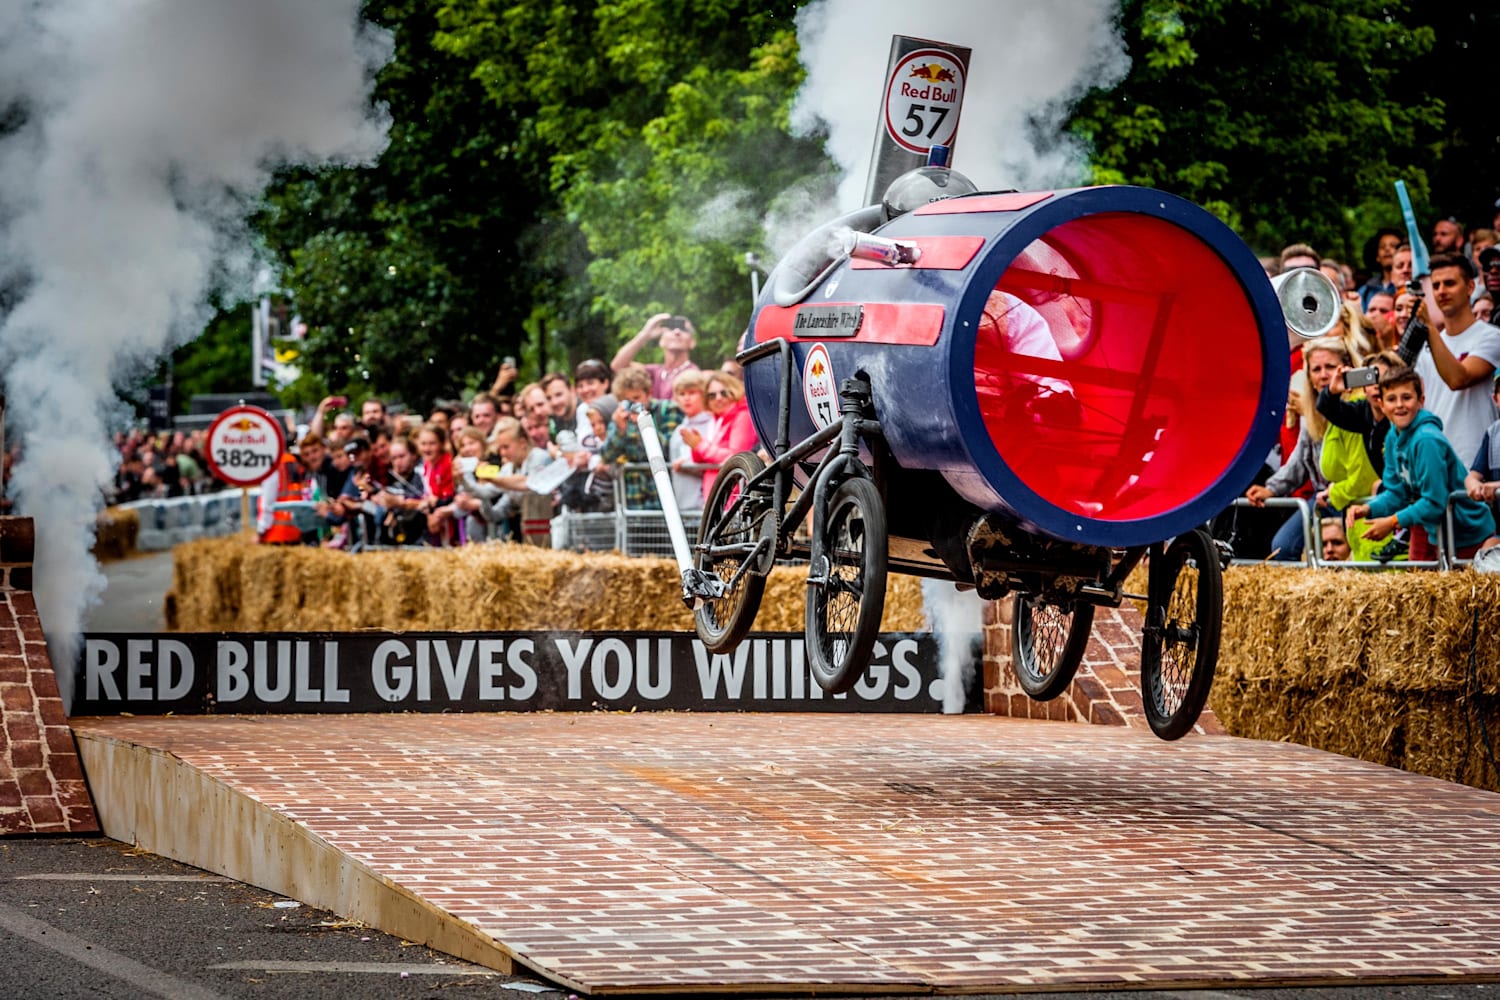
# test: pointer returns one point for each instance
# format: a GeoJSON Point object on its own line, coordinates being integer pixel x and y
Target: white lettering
{"type": "Point", "coordinates": [454, 676]}
{"type": "Point", "coordinates": [392, 681]}
{"type": "Point", "coordinates": [721, 665]}
{"type": "Point", "coordinates": [600, 669]}
{"type": "Point", "coordinates": [662, 686]}
{"type": "Point", "coordinates": [331, 690]}
{"type": "Point", "coordinates": [911, 677]}
{"type": "Point", "coordinates": [778, 669]}
{"type": "Point", "coordinates": [100, 660]}
{"type": "Point", "coordinates": [169, 652]}
{"type": "Point", "coordinates": [304, 689]}
{"type": "Point", "coordinates": [136, 668]}
{"type": "Point", "coordinates": [424, 670]}
{"type": "Point", "coordinates": [264, 690]}
{"type": "Point", "coordinates": [877, 675]}
{"type": "Point", "coordinates": [522, 668]}
{"type": "Point", "coordinates": [490, 669]}
{"type": "Point", "coordinates": [760, 686]}
{"type": "Point", "coordinates": [233, 683]}
{"type": "Point", "coordinates": [573, 661]}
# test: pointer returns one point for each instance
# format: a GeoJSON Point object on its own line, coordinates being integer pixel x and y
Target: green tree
{"type": "Point", "coordinates": [663, 125]}
{"type": "Point", "coordinates": [1290, 121]}
{"type": "Point", "coordinates": [413, 274]}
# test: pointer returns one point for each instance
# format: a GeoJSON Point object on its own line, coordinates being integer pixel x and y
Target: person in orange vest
{"type": "Point", "coordinates": [274, 523]}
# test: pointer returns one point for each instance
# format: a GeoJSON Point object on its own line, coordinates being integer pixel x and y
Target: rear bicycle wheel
{"type": "Point", "coordinates": [722, 622]}
{"type": "Point", "coordinates": [1047, 642]}
{"type": "Point", "coordinates": [846, 593]}
{"type": "Point", "coordinates": [1180, 644]}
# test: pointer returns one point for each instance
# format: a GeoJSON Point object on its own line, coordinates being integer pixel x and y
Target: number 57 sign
{"type": "Point", "coordinates": [924, 90]}
{"type": "Point", "coordinates": [244, 445]}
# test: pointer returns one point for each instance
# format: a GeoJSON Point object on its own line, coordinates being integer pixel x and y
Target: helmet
{"type": "Point", "coordinates": [922, 186]}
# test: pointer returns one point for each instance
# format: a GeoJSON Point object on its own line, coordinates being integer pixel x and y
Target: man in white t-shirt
{"type": "Point", "coordinates": [1459, 364]}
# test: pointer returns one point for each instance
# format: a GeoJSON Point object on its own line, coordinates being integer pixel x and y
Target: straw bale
{"type": "Point", "coordinates": [115, 532]}
{"type": "Point", "coordinates": [1352, 721]}
{"type": "Point", "coordinates": [1446, 738]}
{"type": "Point", "coordinates": [234, 584]}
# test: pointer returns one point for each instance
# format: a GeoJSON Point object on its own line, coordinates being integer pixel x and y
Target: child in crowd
{"type": "Point", "coordinates": [1421, 470]}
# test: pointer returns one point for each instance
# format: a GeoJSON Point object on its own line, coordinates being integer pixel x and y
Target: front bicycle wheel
{"type": "Point", "coordinates": [1047, 642]}
{"type": "Point", "coordinates": [1180, 644]}
{"type": "Point", "coordinates": [846, 592]}
{"type": "Point", "coordinates": [723, 621]}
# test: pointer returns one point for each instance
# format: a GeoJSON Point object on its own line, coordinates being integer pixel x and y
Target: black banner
{"type": "Point", "coordinates": [193, 673]}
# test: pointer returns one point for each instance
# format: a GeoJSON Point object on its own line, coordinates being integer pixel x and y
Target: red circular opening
{"type": "Point", "coordinates": [1117, 365]}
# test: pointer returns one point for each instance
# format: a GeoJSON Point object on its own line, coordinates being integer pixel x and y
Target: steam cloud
{"type": "Point", "coordinates": [1031, 62]}
{"type": "Point", "coordinates": [135, 135]}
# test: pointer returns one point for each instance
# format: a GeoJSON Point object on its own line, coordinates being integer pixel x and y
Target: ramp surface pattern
{"type": "Point", "coordinates": [679, 852]}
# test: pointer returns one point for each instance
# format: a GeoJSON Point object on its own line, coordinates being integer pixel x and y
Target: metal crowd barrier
{"type": "Point", "coordinates": [634, 531]}
{"type": "Point", "coordinates": [1312, 541]}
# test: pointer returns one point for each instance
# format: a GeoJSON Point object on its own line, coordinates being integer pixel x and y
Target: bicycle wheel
{"type": "Point", "coordinates": [1047, 643]}
{"type": "Point", "coordinates": [1180, 644]}
{"type": "Point", "coordinates": [846, 594]}
{"type": "Point", "coordinates": [722, 622]}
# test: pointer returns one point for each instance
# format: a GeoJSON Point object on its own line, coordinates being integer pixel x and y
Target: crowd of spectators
{"type": "Point", "coordinates": [1395, 412]}
{"type": "Point", "coordinates": [510, 457]}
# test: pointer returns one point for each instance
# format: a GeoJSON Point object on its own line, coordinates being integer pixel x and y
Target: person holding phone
{"type": "Point", "coordinates": [677, 338]}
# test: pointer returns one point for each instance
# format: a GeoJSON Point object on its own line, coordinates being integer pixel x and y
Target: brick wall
{"type": "Point", "coordinates": [41, 782]}
{"type": "Point", "coordinates": [1106, 690]}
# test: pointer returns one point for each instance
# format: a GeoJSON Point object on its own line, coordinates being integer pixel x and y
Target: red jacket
{"type": "Point", "coordinates": [733, 432]}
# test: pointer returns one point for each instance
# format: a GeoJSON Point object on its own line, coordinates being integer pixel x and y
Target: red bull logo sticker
{"type": "Point", "coordinates": [819, 391]}
{"type": "Point", "coordinates": [922, 100]}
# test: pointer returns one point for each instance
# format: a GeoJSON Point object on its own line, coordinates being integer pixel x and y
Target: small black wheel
{"type": "Point", "coordinates": [1180, 646]}
{"type": "Point", "coordinates": [722, 622]}
{"type": "Point", "coordinates": [846, 593]}
{"type": "Point", "coordinates": [1047, 642]}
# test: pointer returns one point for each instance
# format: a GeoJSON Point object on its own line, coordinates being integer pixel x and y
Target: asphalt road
{"type": "Point", "coordinates": [134, 594]}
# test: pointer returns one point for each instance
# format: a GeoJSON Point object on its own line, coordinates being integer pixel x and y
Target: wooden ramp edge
{"type": "Point", "coordinates": [151, 798]}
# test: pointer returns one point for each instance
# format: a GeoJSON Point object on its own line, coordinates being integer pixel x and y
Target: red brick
{"type": "Point", "coordinates": [16, 698]}
{"type": "Point", "coordinates": [81, 819]}
{"type": "Point", "coordinates": [1104, 714]}
{"type": "Point", "coordinates": [10, 642]}
{"type": "Point", "coordinates": [12, 670]}
{"type": "Point", "coordinates": [65, 767]}
{"type": "Point", "coordinates": [23, 605]}
{"type": "Point", "coordinates": [60, 740]}
{"type": "Point", "coordinates": [26, 754]}
{"type": "Point", "coordinates": [73, 793]}
{"type": "Point", "coordinates": [44, 812]}
{"type": "Point", "coordinates": [10, 793]}
{"type": "Point", "coordinates": [34, 781]}
{"type": "Point", "coordinates": [14, 821]}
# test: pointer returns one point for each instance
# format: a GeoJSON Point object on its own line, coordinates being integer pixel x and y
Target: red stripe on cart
{"type": "Point", "coordinates": [909, 324]}
{"type": "Point", "coordinates": [984, 203]}
{"type": "Point", "coordinates": [939, 253]}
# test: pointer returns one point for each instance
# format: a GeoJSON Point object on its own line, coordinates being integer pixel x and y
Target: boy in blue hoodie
{"type": "Point", "coordinates": [1421, 470]}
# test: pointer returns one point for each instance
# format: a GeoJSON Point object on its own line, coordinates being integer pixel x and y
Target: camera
{"type": "Point", "coordinates": [507, 362]}
{"type": "Point", "coordinates": [675, 322]}
{"type": "Point", "coordinates": [1359, 378]}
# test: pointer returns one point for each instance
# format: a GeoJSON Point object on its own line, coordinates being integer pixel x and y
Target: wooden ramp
{"type": "Point", "coordinates": [698, 853]}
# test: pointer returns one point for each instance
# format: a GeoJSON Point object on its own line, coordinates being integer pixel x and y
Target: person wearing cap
{"type": "Point", "coordinates": [359, 489]}
{"type": "Point", "coordinates": [1489, 270]}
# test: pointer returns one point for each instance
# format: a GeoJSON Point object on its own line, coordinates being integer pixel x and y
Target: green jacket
{"type": "Point", "coordinates": [1351, 477]}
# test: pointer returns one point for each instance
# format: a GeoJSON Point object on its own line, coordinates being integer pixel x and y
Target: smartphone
{"type": "Point", "coordinates": [1359, 378]}
{"type": "Point", "coordinates": [487, 471]}
{"type": "Point", "coordinates": [507, 362]}
{"type": "Point", "coordinates": [340, 401]}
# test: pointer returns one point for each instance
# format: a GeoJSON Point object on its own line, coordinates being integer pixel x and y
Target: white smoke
{"type": "Point", "coordinates": [956, 618]}
{"type": "Point", "coordinates": [135, 135]}
{"type": "Point", "coordinates": [1031, 63]}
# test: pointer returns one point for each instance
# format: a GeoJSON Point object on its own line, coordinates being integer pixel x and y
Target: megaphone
{"type": "Point", "coordinates": [1309, 301]}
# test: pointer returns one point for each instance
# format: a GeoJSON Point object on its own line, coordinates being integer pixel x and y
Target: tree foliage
{"type": "Point", "coordinates": [1288, 120]}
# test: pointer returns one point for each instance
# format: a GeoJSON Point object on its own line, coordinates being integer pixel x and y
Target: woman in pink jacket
{"type": "Point", "coordinates": [733, 430]}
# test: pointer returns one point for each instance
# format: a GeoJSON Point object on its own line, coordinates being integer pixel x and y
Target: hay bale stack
{"type": "Point", "coordinates": [233, 584]}
{"type": "Point", "coordinates": [115, 532]}
{"type": "Point", "coordinates": [1399, 668]}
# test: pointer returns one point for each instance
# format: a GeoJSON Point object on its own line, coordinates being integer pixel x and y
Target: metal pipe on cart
{"type": "Point", "coordinates": [696, 585]}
